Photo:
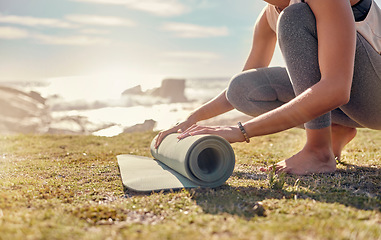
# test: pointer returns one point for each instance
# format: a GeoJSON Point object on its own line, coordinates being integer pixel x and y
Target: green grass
{"type": "Point", "coordinates": [68, 187]}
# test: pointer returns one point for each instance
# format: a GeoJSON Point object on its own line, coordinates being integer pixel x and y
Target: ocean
{"type": "Point", "coordinates": [101, 101]}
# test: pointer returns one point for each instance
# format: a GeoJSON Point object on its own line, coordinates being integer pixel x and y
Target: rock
{"type": "Point", "coordinates": [15, 103]}
{"type": "Point", "coordinates": [259, 210]}
{"type": "Point", "coordinates": [37, 96]}
{"type": "Point", "coordinates": [22, 112]}
{"type": "Point", "coordinates": [174, 89]}
{"type": "Point", "coordinates": [76, 125]}
{"type": "Point", "coordinates": [28, 112]}
{"type": "Point", "coordinates": [137, 90]}
{"type": "Point", "coordinates": [67, 125]}
{"type": "Point", "coordinates": [148, 125]}
{"type": "Point", "coordinates": [111, 131]}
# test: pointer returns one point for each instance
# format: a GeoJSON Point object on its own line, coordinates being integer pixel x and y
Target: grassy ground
{"type": "Point", "coordinates": [68, 187]}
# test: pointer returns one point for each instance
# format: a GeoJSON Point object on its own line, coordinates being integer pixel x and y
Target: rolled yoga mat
{"type": "Point", "coordinates": [195, 161]}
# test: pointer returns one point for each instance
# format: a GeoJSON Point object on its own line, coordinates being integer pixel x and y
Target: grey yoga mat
{"type": "Point", "coordinates": [195, 161]}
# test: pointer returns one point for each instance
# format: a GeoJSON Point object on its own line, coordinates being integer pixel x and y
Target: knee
{"type": "Point", "coordinates": [255, 85]}
{"type": "Point", "coordinates": [236, 89]}
{"type": "Point", "coordinates": [295, 15]}
{"type": "Point", "coordinates": [295, 18]}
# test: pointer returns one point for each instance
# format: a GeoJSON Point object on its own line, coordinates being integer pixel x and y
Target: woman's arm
{"type": "Point", "coordinates": [264, 39]}
{"type": "Point", "coordinates": [262, 50]}
{"type": "Point", "coordinates": [337, 43]}
{"type": "Point", "coordinates": [263, 45]}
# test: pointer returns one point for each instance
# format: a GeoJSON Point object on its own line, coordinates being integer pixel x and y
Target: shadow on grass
{"type": "Point", "coordinates": [355, 186]}
{"type": "Point", "coordinates": [249, 175]}
{"type": "Point", "coordinates": [239, 201]}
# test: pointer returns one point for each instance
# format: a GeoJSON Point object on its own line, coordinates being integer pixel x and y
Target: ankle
{"type": "Point", "coordinates": [340, 129]}
{"type": "Point", "coordinates": [319, 139]}
{"type": "Point", "coordinates": [341, 136]}
{"type": "Point", "coordinates": [322, 154]}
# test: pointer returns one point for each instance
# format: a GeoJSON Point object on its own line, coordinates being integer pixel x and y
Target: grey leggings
{"type": "Point", "coordinates": [257, 91]}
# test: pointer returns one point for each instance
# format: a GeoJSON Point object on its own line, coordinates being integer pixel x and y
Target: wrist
{"type": "Point", "coordinates": [243, 132]}
{"type": "Point", "coordinates": [192, 118]}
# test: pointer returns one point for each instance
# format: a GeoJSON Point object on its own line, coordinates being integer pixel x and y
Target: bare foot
{"type": "Point", "coordinates": [307, 162]}
{"type": "Point", "coordinates": [341, 136]}
{"type": "Point", "coordinates": [318, 155]}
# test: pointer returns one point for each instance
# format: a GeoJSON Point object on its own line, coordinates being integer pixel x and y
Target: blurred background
{"type": "Point", "coordinates": [97, 66]}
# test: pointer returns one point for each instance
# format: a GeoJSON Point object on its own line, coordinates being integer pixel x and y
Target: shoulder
{"type": "Point", "coordinates": [331, 10]}
{"type": "Point", "coordinates": [272, 16]}
{"type": "Point", "coordinates": [328, 3]}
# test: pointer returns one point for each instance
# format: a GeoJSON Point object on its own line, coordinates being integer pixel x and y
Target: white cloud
{"type": "Point", "coordinates": [12, 33]}
{"type": "Point", "coordinates": [187, 30]}
{"type": "Point", "coordinates": [192, 55]}
{"type": "Point", "coordinates": [94, 31]}
{"type": "Point", "coordinates": [72, 21]}
{"type": "Point", "coordinates": [203, 4]}
{"type": "Point", "coordinates": [34, 22]}
{"type": "Point", "coordinates": [156, 7]}
{"type": "Point", "coordinates": [77, 22]}
{"type": "Point", "coordinates": [159, 7]}
{"type": "Point", "coordinates": [76, 40]}
{"type": "Point", "coordinates": [99, 20]}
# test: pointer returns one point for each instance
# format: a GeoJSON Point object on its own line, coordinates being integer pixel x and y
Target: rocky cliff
{"type": "Point", "coordinates": [22, 112]}
{"type": "Point", "coordinates": [171, 89]}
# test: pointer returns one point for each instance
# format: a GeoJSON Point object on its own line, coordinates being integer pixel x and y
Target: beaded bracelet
{"type": "Point", "coordinates": [247, 139]}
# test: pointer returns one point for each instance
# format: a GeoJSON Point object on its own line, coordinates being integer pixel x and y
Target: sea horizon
{"type": "Point", "coordinates": [101, 102]}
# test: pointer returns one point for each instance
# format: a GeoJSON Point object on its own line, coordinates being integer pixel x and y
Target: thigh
{"type": "Point", "coordinates": [364, 106]}
{"type": "Point", "coordinates": [260, 90]}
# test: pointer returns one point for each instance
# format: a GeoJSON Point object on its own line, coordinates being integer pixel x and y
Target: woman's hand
{"type": "Point", "coordinates": [180, 127]}
{"type": "Point", "coordinates": [232, 134]}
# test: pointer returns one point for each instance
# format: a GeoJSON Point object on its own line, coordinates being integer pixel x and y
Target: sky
{"type": "Point", "coordinates": [42, 39]}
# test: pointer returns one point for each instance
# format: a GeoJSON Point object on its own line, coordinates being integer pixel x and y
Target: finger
{"type": "Point", "coordinates": [186, 132]}
{"type": "Point", "coordinates": [161, 136]}
{"type": "Point", "coordinates": [191, 128]}
{"type": "Point", "coordinates": [184, 135]}
{"type": "Point", "coordinates": [157, 140]}
{"type": "Point", "coordinates": [190, 131]}
{"type": "Point", "coordinates": [196, 131]}
{"type": "Point", "coordinates": [199, 132]}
